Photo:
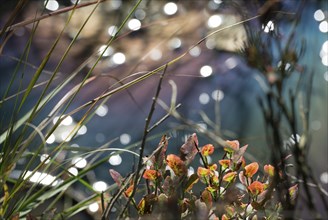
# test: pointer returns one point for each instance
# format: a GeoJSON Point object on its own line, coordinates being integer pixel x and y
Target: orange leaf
{"type": "Point", "coordinates": [215, 179]}
{"type": "Point", "coordinates": [225, 163]}
{"type": "Point", "coordinates": [269, 169]}
{"type": "Point", "coordinates": [202, 172]}
{"type": "Point", "coordinates": [256, 187]}
{"type": "Point", "coordinates": [231, 146]}
{"type": "Point", "coordinates": [293, 191]}
{"type": "Point", "coordinates": [213, 167]}
{"type": "Point", "coordinates": [129, 191]}
{"type": "Point", "coordinates": [141, 206]}
{"type": "Point", "coordinates": [176, 164]}
{"type": "Point", "coordinates": [251, 169]}
{"type": "Point", "coordinates": [208, 149]}
{"type": "Point", "coordinates": [229, 177]}
{"type": "Point", "coordinates": [151, 175]}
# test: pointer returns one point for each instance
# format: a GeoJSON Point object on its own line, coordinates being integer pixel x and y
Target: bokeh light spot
{"type": "Point", "coordinates": [324, 177]}
{"type": "Point", "coordinates": [93, 207]}
{"type": "Point", "coordinates": [204, 98]}
{"type": "Point", "coordinates": [119, 58]}
{"type": "Point", "coordinates": [51, 139]}
{"type": "Point", "coordinates": [79, 162]}
{"type": "Point", "coordinates": [134, 24]}
{"type": "Point", "coordinates": [115, 160]}
{"type": "Point", "coordinates": [217, 95]}
{"type": "Point", "coordinates": [45, 158]}
{"type": "Point", "coordinates": [206, 71]}
{"type": "Point", "coordinates": [99, 186]}
{"type": "Point", "coordinates": [102, 110]}
{"type": "Point", "coordinates": [170, 8]}
{"type": "Point", "coordinates": [51, 5]}
{"type": "Point", "coordinates": [323, 26]}
{"type": "Point", "coordinates": [125, 139]}
{"type": "Point", "coordinates": [319, 15]}
{"type": "Point", "coordinates": [214, 21]}
{"type": "Point", "coordinates": [112, 30]}
{"type": "Point", "coordinates": [195, 52]}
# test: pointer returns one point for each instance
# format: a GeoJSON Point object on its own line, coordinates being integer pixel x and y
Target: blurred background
{"type": "Point", "coordinates": [216, 87]}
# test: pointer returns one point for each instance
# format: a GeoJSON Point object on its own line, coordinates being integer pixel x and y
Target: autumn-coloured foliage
{"type": "Point", "coordinates": [207, 150]}
{"type": "Point", "coordinates": [228, 189]}
{"type": "Point", "coordinates": [251, 169]}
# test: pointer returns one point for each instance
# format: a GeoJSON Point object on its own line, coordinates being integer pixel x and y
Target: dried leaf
{"type": "Point", "coordinates": [28, 217]}
{"type": "Point", "coordinates": [146, 203]}
{"type": "Point", "coordinates": [116, 177]}
{"type": "Point", "coordinates": [202, 210]}
{"type": "Point", "coordinates": [256, 205]}
{"type": "Point", "coordinates": [238, 154]}
{"type": "Point", "coordinates": [188, 150]}
{"type": "Point", "coordinates": [168, 186]}
{"type": "Point", "coordinates": [231, 146]}
{"type": "Point", "coordinates": [242, 178]}
{"type": "Point", "coordinates": [207, 198]}
{"type": "Point", "coordinates": [159, 156]}
{"type": "Point", "coordinates": [193, 179]}
{"type": "Point", "coordinates": [262, 196]}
